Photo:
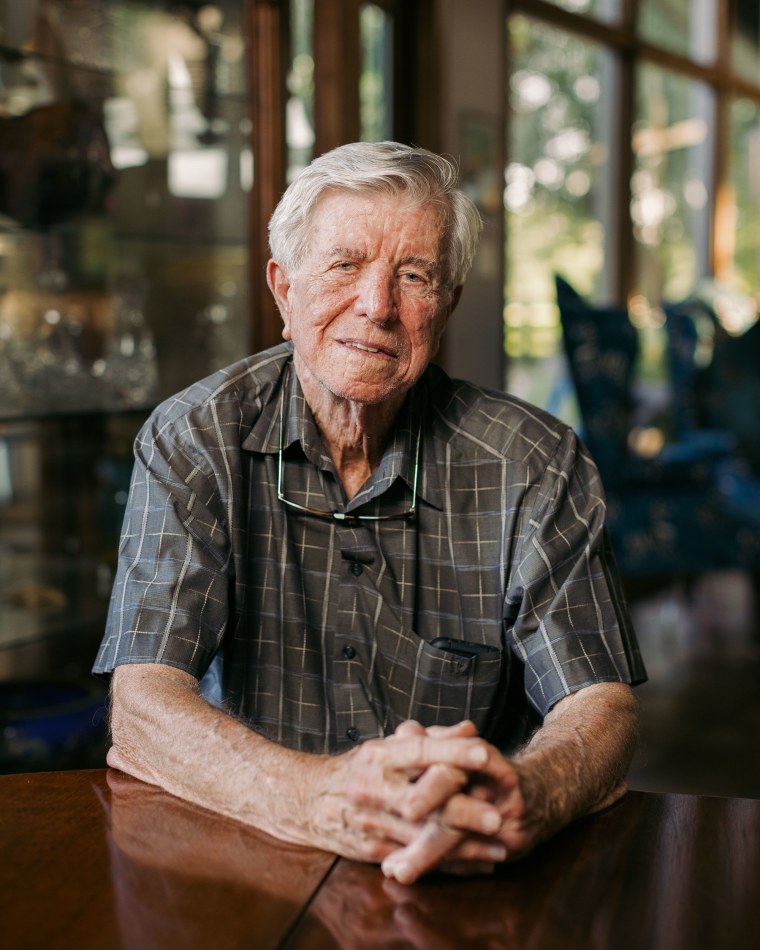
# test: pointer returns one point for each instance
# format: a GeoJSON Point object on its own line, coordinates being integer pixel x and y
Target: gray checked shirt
{"type": "Point", "coordinates": [319, 632]}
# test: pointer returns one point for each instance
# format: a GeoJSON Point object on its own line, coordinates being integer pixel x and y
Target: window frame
{"type": "Point", "coordinates": [726, 85]}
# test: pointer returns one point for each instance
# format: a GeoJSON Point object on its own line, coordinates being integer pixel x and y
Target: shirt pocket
{"type": "Point", "coordinates": [416, 680]}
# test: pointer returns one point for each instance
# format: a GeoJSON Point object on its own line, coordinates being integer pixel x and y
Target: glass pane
{"type": "Point", "coordinates": [670, 205]}
{"type": "Point", "coordinates": [300, 106]}
{"type": "Point", "coordinates": [670, 210]}
{"type": "Point", "coordinates": [124, 168]}
{"type": "Point", "coordinates": [376, 81]}
{"type": "Point", "coordinates": [608, 11]}
{"type": "Point", "coordinates": [688, 27]}
{"type": "Point", "coordinates": [739, 244]}
{"type": "Point", "coordinates": [745, 39]}
{"type": "Point", "coordinates": [557, 195]}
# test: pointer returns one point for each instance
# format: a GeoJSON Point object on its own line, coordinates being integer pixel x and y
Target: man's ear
{"type": "Point", "coordinates": [279, 284]}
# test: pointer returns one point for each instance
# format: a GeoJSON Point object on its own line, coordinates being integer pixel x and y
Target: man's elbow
{"type": "Point", "coordinates": [140, 696]}
{"type": "Point", "coordinates": [123, 753]}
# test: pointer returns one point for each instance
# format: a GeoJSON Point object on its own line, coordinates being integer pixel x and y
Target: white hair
{"type": "Point", "coordinates": [384, 168]}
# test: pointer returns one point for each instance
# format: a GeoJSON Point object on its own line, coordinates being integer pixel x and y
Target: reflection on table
{"type": "Point", "coordinates": [94, 858]}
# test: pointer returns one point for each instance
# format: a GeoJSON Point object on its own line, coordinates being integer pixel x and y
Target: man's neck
{"type": "Point", "coordinates": [355, 434]}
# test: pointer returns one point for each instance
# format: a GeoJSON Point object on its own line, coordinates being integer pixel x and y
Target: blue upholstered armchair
{"type": "Point", "coordinates": [719, 387]}
{"type": "Point", "coordinates": [692, 505]}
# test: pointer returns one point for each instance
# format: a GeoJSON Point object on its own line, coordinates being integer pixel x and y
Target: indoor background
{"type": "Point", "coordinates": [613, 148]}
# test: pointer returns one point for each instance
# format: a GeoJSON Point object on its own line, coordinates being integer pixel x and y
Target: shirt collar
{"type": "Point", "coordinates": [398, 461]}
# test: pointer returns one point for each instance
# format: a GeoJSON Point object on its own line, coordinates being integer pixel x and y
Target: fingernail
{"type": "Point", "coordinates": [398, 869]}
{"type": "Point", "coordinates": [497, 852]}
{"type": "Point", "coordinates": [478, 755]}
{"type": "Point", "coordinates": [491, 822]}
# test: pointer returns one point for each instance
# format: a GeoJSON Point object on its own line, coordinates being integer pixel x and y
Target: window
{"type": "Point", "coordinates": [348, 63]}
{"type": "Point", "coordinates": [739, 239]}
{"type": "Point", "coordinates": [669, 187]}
{"type": "Point", "coordinates": [688, 27]}
{"type": "Point", "coordinates": [745, 39]}
{"type": "Point", "coordinates": [299, 124]}
{"type": "Point", "coordinates": [600, 9]}
{"type": "Point", "coordinates": [556, 184]}
{"type": "Point", "coordinates": [633, 155]}
{"type": "Point", "coordinates": [376, 80]}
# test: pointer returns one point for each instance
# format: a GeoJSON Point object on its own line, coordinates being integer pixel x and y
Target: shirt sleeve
{"type": "Point", "coordinates": [169, 602]}
{"type": "Point", "coordinates": [564, 612]}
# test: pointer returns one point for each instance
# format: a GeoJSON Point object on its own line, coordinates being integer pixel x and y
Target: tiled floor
{"type": "Point", "coordinates": [701, 706]}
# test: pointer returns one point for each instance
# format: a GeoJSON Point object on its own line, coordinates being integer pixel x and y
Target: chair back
{"type": "Point", "coordinates": [715, 384]}
{"type": "Point", "coordinates": [601, 345]}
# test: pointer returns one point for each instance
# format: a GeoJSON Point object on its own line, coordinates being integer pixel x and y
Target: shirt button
{"type": "Point", "coordinates": [353, 734]}
{"type": "Point", "coordinates": [356, 568]}
{"type": "Point", "coordinates": [348, 653]}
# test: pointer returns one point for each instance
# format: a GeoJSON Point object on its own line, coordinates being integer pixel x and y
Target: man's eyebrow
{"type": "Point", "coordinates": [352, 253]}
{"type": "Point", "coordinates": [432, 266]}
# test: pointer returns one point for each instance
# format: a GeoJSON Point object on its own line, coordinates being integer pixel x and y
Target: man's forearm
{"type": "Point", "coordinates": [577, 761]}
{"type": "Point", "coordinates": [164, 732]}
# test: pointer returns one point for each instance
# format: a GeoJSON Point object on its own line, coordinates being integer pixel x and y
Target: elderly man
{"type": "Point", "coordinates": [351, 588]}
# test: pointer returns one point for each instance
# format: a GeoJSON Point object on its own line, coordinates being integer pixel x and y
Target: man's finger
{"type": "Point", "coordinates": [432, 844]}
{"type": "Point", "coordinates": [464, 728]}
{"type": "Point", "coordinates": [436, 844]}
{"type": "Point", "coordinates": [409, 728]}
{"type": "Point", "coordinates": [381, 768]}
{"type": "Point", "coordinates": [464, 752]}
{"type": "Point", "coordinates": [443, 789]}
{"type": "Point", "coordinates": [469, 813]}
{"type": "Point", "coordinates": [432, 789]}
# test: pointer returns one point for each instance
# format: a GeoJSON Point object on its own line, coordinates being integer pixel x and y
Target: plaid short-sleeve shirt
{"type": "Point", "coordinates": [319, 631]}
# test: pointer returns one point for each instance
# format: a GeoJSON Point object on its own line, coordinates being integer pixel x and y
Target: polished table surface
{"type": "Point", "coordinates": [96, 859]}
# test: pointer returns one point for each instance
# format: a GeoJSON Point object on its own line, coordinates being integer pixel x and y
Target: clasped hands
{"type": "Point", "coordinates": [426, 799]}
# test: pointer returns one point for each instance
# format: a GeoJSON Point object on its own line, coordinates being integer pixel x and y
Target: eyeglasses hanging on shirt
{"type": "Point", "coordinates": [407, 515]}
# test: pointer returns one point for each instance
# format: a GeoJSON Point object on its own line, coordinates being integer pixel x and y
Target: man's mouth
{"type": "Point", "coordinates": [353, 344]}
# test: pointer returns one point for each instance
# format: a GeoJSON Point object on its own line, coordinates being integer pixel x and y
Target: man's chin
{"type": "Point", "coordinates": [372, 395]}
{"type": "Point", "coordinates": [367, 391]}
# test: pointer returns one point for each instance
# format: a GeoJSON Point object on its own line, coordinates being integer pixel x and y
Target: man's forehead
{"type": "Point", "coordinates": [339, 199]}
{"type": "Point", "coordinates": [343, 219]}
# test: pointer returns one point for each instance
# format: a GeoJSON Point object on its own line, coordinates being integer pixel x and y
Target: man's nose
{"type": "Point", "coordinates": [376, 298]}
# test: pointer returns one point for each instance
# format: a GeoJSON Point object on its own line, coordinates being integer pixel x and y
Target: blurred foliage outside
{"type": "Point", "coordinates": [559, 193]}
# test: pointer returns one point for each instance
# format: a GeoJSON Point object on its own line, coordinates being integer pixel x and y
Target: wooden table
{"type": "Point", "coordinates": [94, 859]}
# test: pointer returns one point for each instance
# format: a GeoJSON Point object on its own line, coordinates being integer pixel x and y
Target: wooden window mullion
{"type": "Point", "coordinates": [267, 32]}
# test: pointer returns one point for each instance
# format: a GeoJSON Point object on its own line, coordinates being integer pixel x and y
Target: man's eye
{"type": "Point", "coordinates": [413, 278]}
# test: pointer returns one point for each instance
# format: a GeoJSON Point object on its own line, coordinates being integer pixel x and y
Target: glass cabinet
{"type": "Point", "coordinates": [125, 172]}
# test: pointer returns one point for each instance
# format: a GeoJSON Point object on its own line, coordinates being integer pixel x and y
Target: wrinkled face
{"type": "Point", "coordinates": [367, 305]}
